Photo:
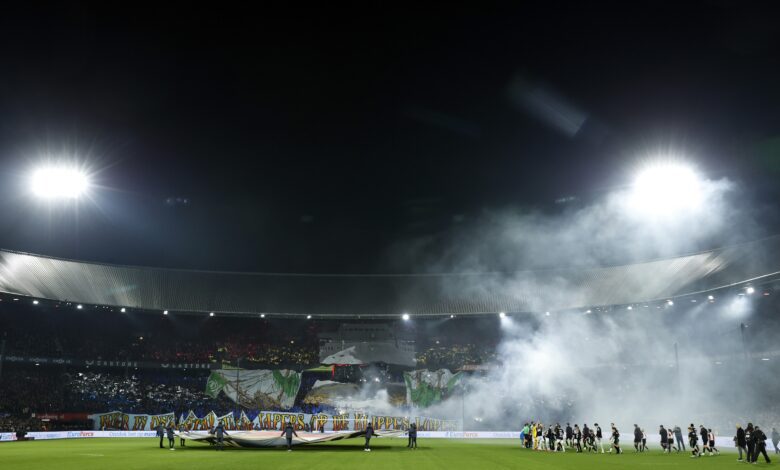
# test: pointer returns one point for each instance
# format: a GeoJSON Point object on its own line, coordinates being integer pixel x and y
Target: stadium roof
{"type": "Point", "coordinates": [387, 295]}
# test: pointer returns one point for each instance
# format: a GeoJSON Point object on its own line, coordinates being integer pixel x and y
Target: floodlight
{"type": "Point", "coordinates": [59, 182]}
{"type": "Point", "coordinates": [79, 306]}
{"type": "Point", "coordinates": [262, 315]}
{"type": "Point", "coordinates": [123, 310]}
{"type": "Point", "coordinates": [405, 317]}
{"type": "Point", "coordinates": [452, 316]}
{"type": "Point", "coordinates": [666, 188]}
{"type": "Point", "coordinates": [750, 290]}
{"type": "Point", "coordinates": [35, 302]}
{"type": "Point", "coordinates": [165, 312]}
{"type": "Point", "coordinates": [308, 317]}
{"type": "Point", "coordinates": [670, 302]}
{"type": "Point", "coordinates": [502, 314]}
{"type": "Point", "coordinates": [710, 297]}
{"type": "Point", "coordinates": [211, 314]}
{"type": "Point", "coordinates": [630, 308]}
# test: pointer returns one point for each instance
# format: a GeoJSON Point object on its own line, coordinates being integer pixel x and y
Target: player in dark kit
{"type": "Point", "coordinates": [599, 436]}
{"type": "Point", "coordinates": [569, 434]}
{"type": "Point", "coordinates": [560, 445]}
{"type": "Point", "coordinates": [288, 433]}
{"type": "Point", "coordinates": [711, 443]}
{"type": "Point", "coordinates": [775, 439]}
{"type": "Point", "coordinates": [615, 439]}
{"type": "Point", "coordinates": [585, 436]}
{"type": "Point", "coordinates": [551, 439]}
{"type": "Point", "coordinates": [664, 438]}
{"type": "Point", "coordinates": [637, 439]}
{"type": "Point", "coordinates": [705, 442]}
{"type": "Point", "coordinates": [693, 440]}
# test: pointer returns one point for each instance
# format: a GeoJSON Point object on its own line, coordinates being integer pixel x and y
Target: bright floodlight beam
{"type": "Point", "coordinates": [59, 183]}
{"type": "Point", "coordinates": [405, 317]}
{"type": "Point", "coordinates": [667, 188]}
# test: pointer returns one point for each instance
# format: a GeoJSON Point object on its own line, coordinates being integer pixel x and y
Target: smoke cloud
{"type": "Point", "coordinates": [652, 365]}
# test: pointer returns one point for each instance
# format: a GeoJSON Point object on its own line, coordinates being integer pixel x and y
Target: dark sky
{"type": "Point", "coordinates": [313, 139]}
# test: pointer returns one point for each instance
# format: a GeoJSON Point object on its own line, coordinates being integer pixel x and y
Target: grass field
{"type": "Point", "coordinates": [139, 453]}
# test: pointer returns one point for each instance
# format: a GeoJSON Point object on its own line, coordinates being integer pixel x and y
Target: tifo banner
{"type": "Point", "coordinates": [117, 420]}
{"type": "Point", "coordinates": [256, 389]}
{"type": "Point", "coordinates": [424, 387]}
{"type": "Point", "coordinates": [276, 420]}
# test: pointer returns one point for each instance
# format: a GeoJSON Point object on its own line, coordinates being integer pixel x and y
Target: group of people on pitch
{"type": "Point", "coordinates": [752, 441]}
{"type": "Point", "coordinates": [558, 439]}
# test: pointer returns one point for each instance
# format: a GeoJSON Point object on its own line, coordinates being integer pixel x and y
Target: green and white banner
{"type": "Point", "coordinates": [256, 389]}
{"type": "Point", "coordinates": [425, 388]}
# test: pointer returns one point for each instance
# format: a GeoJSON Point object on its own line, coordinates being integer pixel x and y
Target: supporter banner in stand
{"type": "Point", "coordinates": [425, 387]}
{"type": "Point", "coordinates": [255, 389]}
{"type": "Point", "coordinates": [354, 421]}
{"type": "Point", "coordinates": [104, 363]}
{"type": "Point", "coordinates": [117, 420]}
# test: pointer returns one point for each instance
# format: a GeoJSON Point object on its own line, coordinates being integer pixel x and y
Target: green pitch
{"type": "Point", "coordinates": [126, 454]}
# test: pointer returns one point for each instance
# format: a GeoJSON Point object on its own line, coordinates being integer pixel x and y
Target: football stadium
{"type": "Point", "coordinates": [457, 237]}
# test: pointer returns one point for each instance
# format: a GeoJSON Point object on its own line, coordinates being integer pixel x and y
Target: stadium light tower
{"type": "Point", "coordinates": [666, 188]}
{"type": "Point", "coordinates": [59, 182]}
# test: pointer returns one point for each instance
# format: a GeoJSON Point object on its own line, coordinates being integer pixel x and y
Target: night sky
{"type": "Point", "coordinates": [316, 139]}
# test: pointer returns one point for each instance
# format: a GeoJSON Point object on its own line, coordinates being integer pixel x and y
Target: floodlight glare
{"type": "Point", "coordinates": [666, 189]}
{"type": "Point", "coordinates": [262, 315]}
{"type": "Point", "coordinates": [502, 314]}
{"type": "Point", "coordinates": [750, 290]}
{"type": "Point", "coordinates": [211, 314]}
{"type": "Point", "coordinates": [79, 306]}
{"type": "Point", "coordinates": [405, 317]}
{"type": "Point", "coordinates": [35, 302]}
{"type": "Point", "coordinates": [165, 312]}
{"type": "Point", "coordinates": [123, 310]}
{"type": "Point", "coordinates": [308, 317]}
{"type": "Point", "coordinates": [59, 183]}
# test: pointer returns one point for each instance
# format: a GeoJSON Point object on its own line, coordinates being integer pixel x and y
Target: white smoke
{"type": "Point", "coordinates": [603, 367]}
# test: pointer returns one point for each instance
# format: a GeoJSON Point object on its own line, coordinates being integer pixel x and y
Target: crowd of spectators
{"type": "Point", "coordinates": [455, 356]}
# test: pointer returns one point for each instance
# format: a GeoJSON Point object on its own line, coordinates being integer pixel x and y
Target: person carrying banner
{"type": "Point", "coordinates": [182, 428]}
{"type": "Point", "coordinates": [369, 434]}
{"type": "Point", "coordinates": [171, 436]}
{"type": "Point", "coordinates": [220, 433]}
{"type": "Point", "coordinates": [288, 433]}
{"type": "Point", "coordinates": [161, 434]}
